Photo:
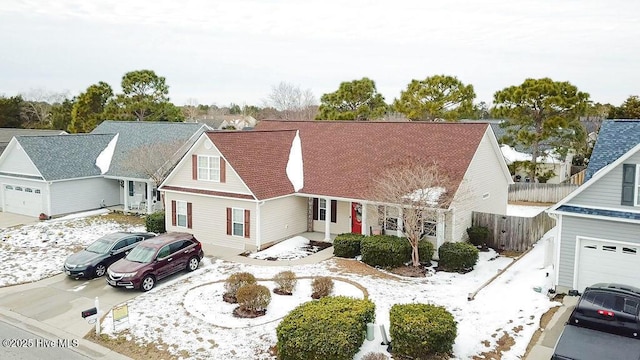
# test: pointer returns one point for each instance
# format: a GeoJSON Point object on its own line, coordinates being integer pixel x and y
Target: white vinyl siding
{"type": "Point", "coordinates": [182, 175]}
{"type": "Point", "coordinates": [209, 168]}
{"type": "Point", "coordinates": [283, 218]}
{"type": "Point", "coordinates": [17, 161]}
{"type": "Point", "coordinates": [84, 194]}
{"type": "Point", "coordinates": [211, 218]}
{"type": "Point", "coordinates": [606, 192]}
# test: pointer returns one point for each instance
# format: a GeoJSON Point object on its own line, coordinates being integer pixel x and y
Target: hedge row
{"type": "Point", "coordinates": [392, 251]}
{"type": "Point", "coordinates": [347, 245]}
{"type": "Point", "coordinates": [459, 256]}
{"type": "Point", "coordinates": [330, 328]}
{"type": "Point", "coordinates": [419, 331]}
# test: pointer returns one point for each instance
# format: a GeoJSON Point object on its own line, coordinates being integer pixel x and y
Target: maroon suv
{"type": "Point", "coordinates": [154, 259]}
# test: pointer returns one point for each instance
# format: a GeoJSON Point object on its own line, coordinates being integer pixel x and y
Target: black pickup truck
{"type": "Point", "coordinates": [604, 325]}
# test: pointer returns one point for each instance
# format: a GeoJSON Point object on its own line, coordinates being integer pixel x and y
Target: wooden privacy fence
{"type": "Point", "coordinates": [541, 193]}
{"type": "Point", "coordinates": [513, 233]}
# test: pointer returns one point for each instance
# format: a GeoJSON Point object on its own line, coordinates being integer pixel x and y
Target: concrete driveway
{"type": "Point", "coordinates": [9, 220]}
{"type": "Point", "coordinates": [543, 350]}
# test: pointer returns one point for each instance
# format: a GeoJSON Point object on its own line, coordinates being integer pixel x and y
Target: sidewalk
{"type": "Point", "coordinates": [547, 342]}
{"type": "Point", "coordinates": [233, 255]}
{"type": "Point", "coordinates": [85, 347]}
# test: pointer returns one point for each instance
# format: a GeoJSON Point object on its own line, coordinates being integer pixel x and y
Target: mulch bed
{"type": "Point", "coordinates": [241, 312]}
{"type": "Point", "coordinates": [410, 271]}
{"type": "Point", "coordinates": [281, 292]}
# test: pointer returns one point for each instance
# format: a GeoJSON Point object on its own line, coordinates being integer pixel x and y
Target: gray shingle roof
{"type": "Point", "coordinates": [6, 134]}
{"type": "Point", "coordinates": [600, 212]}
{"type": "Point", "coordinates": [65, 157]}
{"type": "Point", "coordinates": [616, 137]}
{"type": "Point", "coordinates": [136, 134]}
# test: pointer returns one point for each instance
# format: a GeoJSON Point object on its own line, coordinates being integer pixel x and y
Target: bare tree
{"type": "Point", "coordinates": [418, 190]}
{"type": "Point", "coordinates": [292, 102]}
{"type": "Point", "coordinates": [155, 160]}
{"type": "Point", "coordinates": [190, 109]}
{"type": "Point", "coordinates": [38, 104]}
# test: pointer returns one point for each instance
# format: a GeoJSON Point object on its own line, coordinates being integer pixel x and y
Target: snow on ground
{"type": "Point", "coordinates": [289, 249]}
{"type": "Point", "coordinates": [525, 210]}
{"type": "Point", "coordinates": [34, 252]}
{"type": "Point", "coordinates": [188, 316]}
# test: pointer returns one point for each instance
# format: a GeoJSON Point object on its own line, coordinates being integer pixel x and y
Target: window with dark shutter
{"type": "Point", "coordinates": [131, 188]}
{"type": "Point", "coordinates": [223, 170]}
{"type": "Point", "coordinates": [194, 167]}
{"type": "Point", "coordinates": [189, 221]}
{"type": "Point", "coordinates": [628, 184]}
{"type": "Point", "coordinates": [334, 211]}
{"type": "Point", "coordinates": [247, 223]}
{"type": "Point", "coordinates": [229, 219]}
{"type": "Point", "coordinates": [173, 213]}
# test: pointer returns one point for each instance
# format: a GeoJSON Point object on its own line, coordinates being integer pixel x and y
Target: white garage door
{"type": "Point", "coordinates": [22, 200]}
{"type": "Point", "coordinates": [607, 262]}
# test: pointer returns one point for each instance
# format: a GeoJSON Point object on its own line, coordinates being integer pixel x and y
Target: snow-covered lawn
{"type": "Point", "coordinates": [297, 247]}
{"type": "Point", "coordinates": [33, 252]}
{"type": "Point", "coordinates": [187, 315]}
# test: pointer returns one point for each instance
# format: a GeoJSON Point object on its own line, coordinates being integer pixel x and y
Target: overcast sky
{"type": "Point", "coordinates": [219, 52]}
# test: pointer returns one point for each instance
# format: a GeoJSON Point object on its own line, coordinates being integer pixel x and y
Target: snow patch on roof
{"type": "Point", "coordinates": [512, 155]}
{"type": "Point", "coordinates": [295, 165]}
{"type": "Point", "coordinates": [429, 195]}
{"type": "Point", "coordinates": [103, 161]}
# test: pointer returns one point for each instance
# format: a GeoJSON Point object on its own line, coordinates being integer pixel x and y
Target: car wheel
{"type": "Point", "coordinates": [148, 282]}
{"type": "Point", "coordinates": [193, 264]}
{"type": "Point", "coordinates": [100, 270]}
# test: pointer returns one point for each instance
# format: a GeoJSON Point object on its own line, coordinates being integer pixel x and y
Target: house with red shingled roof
{"type": "Point", "coordinates": [232, 188]}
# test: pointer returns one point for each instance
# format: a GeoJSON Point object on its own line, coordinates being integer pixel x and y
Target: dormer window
{"type": "Point", "coordinates": [209, 168]}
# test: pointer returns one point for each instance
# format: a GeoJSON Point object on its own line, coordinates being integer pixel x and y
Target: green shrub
{"type": "Point", "coordinates": [286, 281]}
{"type": "Point", "coordinates": [253, 297]}
{"type": "Point", "coordinates": [155, 223]}
{"type": "Point", "coordinates": [330, 328]}
{"type": "Point", "coordinates": [393, 251]}
{"type": "Point", "coordinates": [236, 281]}
{"type": "Point", "coordinates": [321, 286]}
{"type": "Point", "coordinates": [385, 250]}
{"type": "Point", "coordinates": [478, 235]}
{"type": "Point", "coordinates": [347, 245]}
{"type": "Point", "coordinates": [419, 331]}
{"type": "Point", "coordinates": [458, 256]}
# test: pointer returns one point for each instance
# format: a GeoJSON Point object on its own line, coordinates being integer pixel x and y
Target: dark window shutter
{"type": "Point", "coordinates": [334, 211]}
{"type": "Point", "coordinates": [229, 221]}
{"type": "Point", "coordinates": [189, 223]}
{"type": "Point", "coordinates": [146, 190]}
{"type": "Point", "coordinates": [173, 212]}
{"type": "Point", "coordinates": [247, 223]}
{"type": "Point", "coordinates": [315, 208]}
{"type": "Point", "coordinates": [131, 188]}
{"type": "Point", "coordinates": [628, 184]}
{"type": "Point", "coordinates": [223, 170]}
{"type": "Point", "coordinates": [194, 167]}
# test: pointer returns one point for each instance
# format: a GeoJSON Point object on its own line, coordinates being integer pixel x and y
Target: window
{"type": "Point", "coordinates": [485, 196]}
{"type": "Point", "coordinates": [131, 189]}
{"type": "Point", "coordinates": [164, 252]}
{"type": "Point", "coordinates": [120, 244]}
{"type": "Point", "coordinates": [238, 222]}
{"type": "Point", "coordinates": [208, 168]}
{"type": "Point", "coordinates": [391, 218]}
{"type": "Point", "coordinates": [29, 190]}
{"type": "Point", "coordinates": [630, 185]}
{"type": "Point", "coordinates": [18, 188]}
{"type": "Point", "coordinates": [8, 187]}
{"type": "Point", "coordinates": [181, 213]}
{"type": "Point", "coordinates": [320, 210]}
{"type": "Point", "coordinates": [429, 228]}
{"type": "Point", "coordinates": [37, 191]}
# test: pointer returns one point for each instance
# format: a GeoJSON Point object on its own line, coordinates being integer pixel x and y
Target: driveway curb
{"type": "Point", "coordinates": [85, 347]}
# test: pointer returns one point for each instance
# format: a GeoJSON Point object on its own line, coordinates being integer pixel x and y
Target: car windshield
{"type": "Point", "coordinates": [141, 254]}
{"type": "Point", "coordinates": [101, 246]}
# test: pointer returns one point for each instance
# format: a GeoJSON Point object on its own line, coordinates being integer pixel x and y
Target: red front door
{"type": "Point", "coordinates": [356, 218]}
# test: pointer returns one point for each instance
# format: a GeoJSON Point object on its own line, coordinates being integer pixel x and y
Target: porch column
{"type": "Point", "coordinates": [399, 231]}
{"type": "Point", "coordinates": [440, 229]}
{"type": "Point", "coordinates": [327, 220]}
{"type": "Point", "coordinates": [364, 231]}
{"type": "Point", "coordinates": [150, 186]}
{"type": "Point", "coordinates": [126, 195]}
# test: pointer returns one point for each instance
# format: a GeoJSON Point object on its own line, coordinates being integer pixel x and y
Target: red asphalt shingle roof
{"type": "Point", "coordinates": [342, 157]}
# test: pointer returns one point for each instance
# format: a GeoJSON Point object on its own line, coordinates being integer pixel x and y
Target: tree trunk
{"type": "Point", "coordinates": [415, 255]}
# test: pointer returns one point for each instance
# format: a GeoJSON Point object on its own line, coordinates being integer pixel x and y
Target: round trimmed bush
{"type": "Point", "coordinates": [330, 328]}
{"type": "Point", "coordinates": [321, 286]}
{"type": "Point", "coordinates": [425, 251]}
{"type": "Point", "coordinates": [478, 235]}
{"type": "Point", "coordinates": [347, 245]}
{"type": "Point", "coordinates": [235, 282]}
{"type": "Point", "coordinates": [385, 250]}
{"type": "Point", "coordinates": [286, 281]}
{"type": "Point", "coordinates": [253, 297]}
{"type": "Point", "coordinates": [458, 256]}
{"type": "Point", "coordinates": [421, 330]}
{"type": "Point", "coordinates": [155, 223]}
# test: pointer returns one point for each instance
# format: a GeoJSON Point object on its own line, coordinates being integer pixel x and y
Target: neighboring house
{"type": "Point", "coordinates": [229, 122]}
{"type": "Point", "coordinates": [236, 188]}
{"type": "Point", "coordinates": [599, 223]}
{"type": "Point", "coordinates": [6, 134]}
{"type": "Point", "coordinates": [561, 166]}
{"type": "Point", "coordinates": [57, 175]}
